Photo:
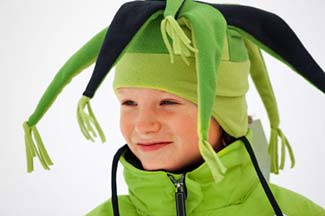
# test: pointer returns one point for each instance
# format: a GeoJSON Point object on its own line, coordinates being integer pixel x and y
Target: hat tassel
{"type": "Point", "coordinates": [181, 43]}
{"type": "Point", "coordinates": [218, 170]}
{"type": "Point", "coordinates": [273, 150]}
{"type": "Point", "coordinates": [86, 120]}
{"type": "Point", "coordinates": [33, 149]}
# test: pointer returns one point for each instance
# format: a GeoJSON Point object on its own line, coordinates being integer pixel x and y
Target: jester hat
{"type": "Point", "coordinates": [211, 27]}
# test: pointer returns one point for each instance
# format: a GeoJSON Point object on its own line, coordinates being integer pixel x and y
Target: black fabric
{"type": "Point", "coordinates": [273, 32]}
{"type": "Point", "coordinates": [113, 179]}
{"type": "Point", "coordinates": [125, 24]}
{"type": "Point", "coordinates": [132, 159]}
{"type": "Point", "coordinates": [265, 186]}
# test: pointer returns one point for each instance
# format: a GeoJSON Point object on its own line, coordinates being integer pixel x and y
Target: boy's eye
{"type": "Point", "coordinates": [167, 102]}
{"type": "Point", "coordinates": [129, 103]}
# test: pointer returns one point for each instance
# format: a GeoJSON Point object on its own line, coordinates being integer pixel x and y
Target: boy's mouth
{"type": "Point", "coordinates": [152, 146]}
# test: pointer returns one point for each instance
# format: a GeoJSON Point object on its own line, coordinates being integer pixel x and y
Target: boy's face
{"type": "Point", "coordinates": [161, 128]}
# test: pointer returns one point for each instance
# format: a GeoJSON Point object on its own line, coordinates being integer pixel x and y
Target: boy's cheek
{"type": "Point", "coordinates": [126, 127]}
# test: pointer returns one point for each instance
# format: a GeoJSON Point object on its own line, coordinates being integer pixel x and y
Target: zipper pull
{"type": "Point", "coordinates": [180, 194]}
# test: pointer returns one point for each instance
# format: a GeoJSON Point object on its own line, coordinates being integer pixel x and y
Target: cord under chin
{"type": "Point", "coordinates": [116, 158]}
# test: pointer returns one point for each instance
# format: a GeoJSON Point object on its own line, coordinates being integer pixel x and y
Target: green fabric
{"type": "Point", "coordinates": [155, 71]}
{"type": "Point", "coordinates": [86, 120]}
{"type": "Point", "coordinates": [35, 150]}
{"type": "Point", "coordinates": [236, 46]}
{"type": "Point", "coordinates": [239, 193]}
{"type": "Point", "coordinates": [207, 63]}
{"type": "Point", "coordinates": [172, 7]}
{"type": "Point", "coordinates": [82, 59]}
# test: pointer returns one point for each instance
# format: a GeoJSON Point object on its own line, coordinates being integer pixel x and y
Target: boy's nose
{"type": "Point", "coordinates": [147, 122]}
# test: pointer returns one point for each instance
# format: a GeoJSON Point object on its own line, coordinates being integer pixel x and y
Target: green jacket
{"type": "Point", "coordinates": [238, 194]}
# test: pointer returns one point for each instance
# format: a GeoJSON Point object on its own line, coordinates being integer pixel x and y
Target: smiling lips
{"type": "Point", "coordinates": [152, 146]}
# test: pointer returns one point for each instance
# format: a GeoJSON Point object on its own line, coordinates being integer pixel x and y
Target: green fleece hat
{"type": "Point", "coordinates": [205, 36]}
{"type": "Point", "coordinates": [148, 64]}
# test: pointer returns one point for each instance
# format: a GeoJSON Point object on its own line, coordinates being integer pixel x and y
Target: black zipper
{"type": "Point", "coordinates": [180, 194]}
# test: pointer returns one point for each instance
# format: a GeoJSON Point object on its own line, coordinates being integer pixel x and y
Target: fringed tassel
{"type": "Point", "coordinates": [181, 43]}
{"type": "Point", "coordinates": [273, 150]}
{"type": "Point", "coordinates": [86, 120]}
{"type": "Point", "coordinates": [285, 143]}
{"type": "Point", "coordinates": [218, 170]}
{"type": "Point", "coordinates": [37, 149]}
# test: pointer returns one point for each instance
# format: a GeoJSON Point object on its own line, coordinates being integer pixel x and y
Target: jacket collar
{"type": "Point", "coordinates": [154, 192]}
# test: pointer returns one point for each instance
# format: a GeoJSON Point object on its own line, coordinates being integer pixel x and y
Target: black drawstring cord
{"type": "Point", "coordinates": [113, 180]}
{"type": "Point", "coordinates": [266, 188]}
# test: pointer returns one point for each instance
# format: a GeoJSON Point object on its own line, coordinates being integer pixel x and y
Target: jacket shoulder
{"type": "Point", "coordinates": [293, 203]}
{"type": "Point", "coordinates": [105, 208]}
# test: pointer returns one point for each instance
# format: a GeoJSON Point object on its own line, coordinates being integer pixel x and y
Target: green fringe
{"type": "Point", "coordinates": [273, 150]}
{"type": "Point", "coordinates": [86, 120]}
{"type": "Point", "coordinates": [33, 150]}
{"type": "Point", "coordinates": [285, 143]}
{"type": "Point", "coordinates": [181, 43]}
{"type": "Point", "coordinates": [217, 168]}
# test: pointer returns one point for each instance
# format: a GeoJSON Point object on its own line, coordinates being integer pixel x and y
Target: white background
{"type": "Point", "coordinates": [38, 36]}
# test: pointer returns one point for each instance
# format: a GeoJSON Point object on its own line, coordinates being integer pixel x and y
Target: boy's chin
{"type": "Point", "coordinates": [181, 168]}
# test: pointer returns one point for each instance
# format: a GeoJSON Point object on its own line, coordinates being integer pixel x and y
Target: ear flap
{"type": "Point", "coordinates": [272, 34]}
